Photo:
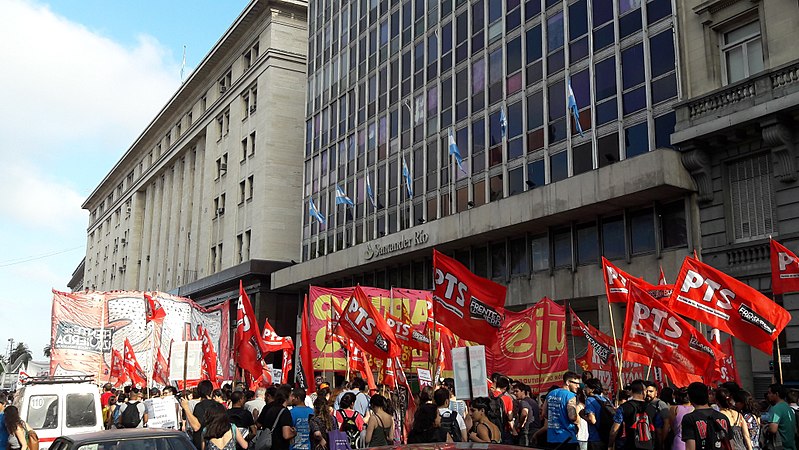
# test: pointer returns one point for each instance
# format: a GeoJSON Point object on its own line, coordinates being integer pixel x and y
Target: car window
{"type": "Point", "coordinates": [81, 410]}
{"type": "Point", "coordinates": [42, 412]}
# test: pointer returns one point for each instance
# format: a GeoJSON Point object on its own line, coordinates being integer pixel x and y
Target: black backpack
{"type": "Point", "coordinates": [449, 425]}
{"type": "Point", "coordinates": [130, 417]}
{"type": "Point", "coordinates": [496, 413]}
{"type": "Point", "coordinates": [605, 419]}
{"type": "Point", "coordinates": [350, 426]}
{"type": "Point", "coordinates": [643, 430]}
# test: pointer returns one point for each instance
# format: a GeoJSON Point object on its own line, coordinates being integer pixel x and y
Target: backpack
{"type": "Point", "coordinates": [449, 425]}
{"type": "Point", "coordinates": [130, 417]}
{"type": "Point", "coordinates": [643, 430]}
{"type": "Point", "coordinates": [350, 426]}
{"type": "Point", "coordinates": [263, 439]}
{"type": "Point", "coordinates": [720, 439]}
{"type": "Point", "coordinates": [31, 437]}
{"type": "Point", "coordinates": [605, 419]}
{"type": "Point", "coordinates": [496, 413]}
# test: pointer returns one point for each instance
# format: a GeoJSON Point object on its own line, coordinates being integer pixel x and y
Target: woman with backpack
{"type": "Point", "coordinates": [321, 423]}
{"type": "Point", "coordinates": [219, 433]}
{"type": "Point", "coordinates": [745, 403]}
{"type": "Point", "coordinates": [19, 433]}
{"type": "Point", "coordinates": [483, 430]}
{"type": "Point", "coordinates": [380, 429]}
{"type": "Point", "coordinates": [739, 438]}
{"type": "Point", "coordinates": [349, 420]}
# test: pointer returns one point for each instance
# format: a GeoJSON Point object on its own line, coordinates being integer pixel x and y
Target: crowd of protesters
{"type": "Point", "coordinates": [577, 414]}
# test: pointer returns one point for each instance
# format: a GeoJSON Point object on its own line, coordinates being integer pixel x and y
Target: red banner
{"type": "Point", "coordinates": [248, 348]}
{"type": "Point", "coordinates": [471, 306]}
{"type": "Point", "coordinates": [728, 367]}
{"type": "Point", "coordinates": [710, 296]}
{"type": "Point", "coordinates": [364, 325]}
{"type": "Point", "coordinates": [118, 368]}
{"type": "Point", "coordinates": [161, 369]}
{"type": "Point", "coordinates": [304, 373]}
{"type": "Point", "coordinates": [653, 330]}
{"type": "Point", "coordinates": [273, 342]}
{"type": "Point", "coordinates": [132, 368]}
{"type": "Point", "coordinates": [209, 358]}
{"type": "Point", "coordinates": [531, 346]}
{"type": "Point", "coordinates": [153, 309]}
{"type": "Point", "coordinates": [784, 269]}
{"type": "Point", "coordinates": [617, 284]}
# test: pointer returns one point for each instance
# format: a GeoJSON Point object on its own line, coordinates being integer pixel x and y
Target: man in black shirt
{"type": "Point", "coordinates": [626, 416]}
{"type": "Point", "coordinates": [699, 427]}
{"type": "Point", "coordinates": [240, 417]}
{"type": "Point", "coordinates": [196, 418]}
{"type": "Point", "coordinates": [276, 414]}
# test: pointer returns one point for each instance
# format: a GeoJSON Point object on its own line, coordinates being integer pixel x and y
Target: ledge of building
{"type": "Point", "coordinates": [656, 175]}
{"type": "Point", "coordinates": [229, 278]}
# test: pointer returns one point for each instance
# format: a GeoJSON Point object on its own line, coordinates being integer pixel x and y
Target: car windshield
{"type": "Point", "coordinates": [144, 443]}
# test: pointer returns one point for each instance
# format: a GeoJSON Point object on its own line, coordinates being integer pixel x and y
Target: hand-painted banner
{"type": "Point", "coordinates": [654, 330]}
{"type": "Point", "coordinates": [469, 305]}
{"type": "Point", "coordinates": [87, 325]}
{"type": "Point", "coordinates": [714, 298]}
{"type": "Point", "coordinates": [531, 346]}
{"type": "Point", "coordinates": [784, 269]}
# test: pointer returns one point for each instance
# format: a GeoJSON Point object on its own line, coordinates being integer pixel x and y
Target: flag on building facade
{"type": "Point", "coordinates": [503, 123]}
{"type": "Point", "coordinates": [370, 192]}
{"type": "Point", "coordinates": [314, 213]}
{"type": "Point", "coordinates": [453, 150]}
{"type": "Point", "coordinates": [571, 103]}
{"type": "Point", "coordinates": [407, 175]}
{"type": "Point", "coordinates": [342, 198]}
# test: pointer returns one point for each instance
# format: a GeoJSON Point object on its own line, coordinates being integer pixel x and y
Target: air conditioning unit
{"type": "Point", "coordinates": [220, 211]}
{"type": "Point", "coordinates": [223, 167]}
{"type": "Point", "coordinates": [222, 88]}
{"type": "Point", "coordinates": [252, 109]}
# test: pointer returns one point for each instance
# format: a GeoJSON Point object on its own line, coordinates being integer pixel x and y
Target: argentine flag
{"type": "Point", "coordinates": [453, 150]}
{"type": "Point", "coordinates": [341, 197]}
{"type": "Point", "coordinates": [571, 103]}
{"type": "Point", "coordinates": [369, 191]}
{"type": "Point", "coordinates": [407, 175]}
{"type": "Point", "coordinates": [314, 213]}
{"type": "Point", "coordinates": [503, 123]}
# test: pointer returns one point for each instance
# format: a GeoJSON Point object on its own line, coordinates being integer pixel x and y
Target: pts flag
{"type": "Point", "coordinates": [471, 306]}
{"type": "Point", "coordinates": [367, 328]}
{"type": "Point", "coordinates": [784, 269]}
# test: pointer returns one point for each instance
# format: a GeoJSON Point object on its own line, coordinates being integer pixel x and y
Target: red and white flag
{"type": "Point", "coordinates": [273, 342]}
{"type": "Point", "coordinates": [364, 325]}
{"type": "Point", "coordinates": [209, 358]}
{"type": "Point", "coordinates": [662, 280]}
{"type": "Point", "coordinates": [304, 373]}
{"type": "Point", "coordinates": [471, 306]}
{"type": "Point", "coordinates": [287, 366]}
{"type": "Point", "coordinates": [153, 309]}
{"type": "Point", "coordinates": [132, 367]}
{"type": "Point", "coordinates": [617, 284]}
{"type": "Point", "coordinates": [118, 367]}
{"type": "Point", "coordinates": [714, 298]}
{"type": "Point", "coordinates": [784, 269]}
{"type": "Point", "coordinates": [161, 369]}
{"type": "Point", "coordinates": [248, 347]}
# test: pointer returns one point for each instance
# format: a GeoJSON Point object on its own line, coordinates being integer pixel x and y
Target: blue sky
{"type": "Point", "coordinates": [81, 79]}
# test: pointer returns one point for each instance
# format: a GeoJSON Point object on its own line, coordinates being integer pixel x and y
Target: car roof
{"type": "Point", "coordinates": [124, 433]}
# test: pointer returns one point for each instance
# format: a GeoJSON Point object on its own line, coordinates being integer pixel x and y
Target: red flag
{"type": "Point", "coordinates": [304, 370]}
{"type": "Point", "coordinates": [471, 306]}
{"type": "Point", "coordinates": [248, 347]}
{"type": "Point", "coordinates": [784, 269]}
{"type": "Point", "coordinates": [712, 297]}
{"type": "Point", "coordinates": [617, 284]}
{"type": "Point", "coordinates": [358, 363]}
{"type": "Point", "coordinates": [132, 367]}
{"type": "Point", "coordinates": [273, 342]}
{"type": "Point", "coordinates": [161, 370]}
{"type": "Point", "coordinates": [209, 358]}
{"type": "Point", "coordinates": [118, 367]}
{"type": "Point", "coordinates": [153, 309]}
{"type": "Point", "coordinates": [286, 364]}
{"type": "Point", "coordinates": [364, 325]}
{"type": "Point", "coordinates": [652, 329]}
{"type": "Point", "coordinates": [603, 349]}
{"type": "Point", "coordinates": [405, 332]}
{"type": "Point", "coordinates": [727, 366]}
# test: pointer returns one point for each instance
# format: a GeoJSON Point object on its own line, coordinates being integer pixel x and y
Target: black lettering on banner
{"type": "Point", "coordinates": [480, 311]}
{"type": "Point", "coordinates": [749, 315]}
{"type": "Point", "coordinates": [696, 345]}
{"type": "Point", "coordinates": [71, 336]}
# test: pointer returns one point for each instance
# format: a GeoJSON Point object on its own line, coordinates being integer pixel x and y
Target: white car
{"type": "Point", "coordinates": [57, 406]}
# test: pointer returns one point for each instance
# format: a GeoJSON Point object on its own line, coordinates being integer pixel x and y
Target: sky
{"type": "Point", "coordinates": [80, 80]}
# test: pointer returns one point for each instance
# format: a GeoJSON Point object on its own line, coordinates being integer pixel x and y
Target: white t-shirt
{"type": "Point", "coordinates": [139, 405]}
{"type": "Point", "coordinates": [458, 418]}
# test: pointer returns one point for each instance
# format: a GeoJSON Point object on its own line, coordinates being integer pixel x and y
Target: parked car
{"type": "Point", "coordinates": [55, 406]}
{"type": "Point", "coordinates": [126, 439]}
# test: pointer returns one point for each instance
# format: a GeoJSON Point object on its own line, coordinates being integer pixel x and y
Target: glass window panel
{"type": "Point", "coordinates": [664, 89]}
{"type": "Point", "coordinates": [628, 5]}
{"type": "Point", "coordinates": [557, 130]}
{"type": "Point", "coordinates": [558, 167]}
{"type": "Point", "coordinates": [515, 149]}
{"type": "Point", "coordinates": [642, 232]}
{"type": "Point", "coordinates": [673, 232]}
{"type": "Point", "coordinates": [606, 112]}
{"type": "Point", "coordinates": [613, 238]}
{"type": "Point", "coordinates": [636, 140]}
{"type": "Point", "coordinates": [582, 159]}
{"type": "Point", "coordinates": [632, 66]}
{"type": "Point", "coordinates": [494, 130]}
{"type": "Point", "coordinates": [587, 244]}
{"type": "Point", "coordinates": [535, 110]}
{"type": "Point", "coordinates": [499, 265]}
{"type": "Point", "coordinates": [478, 135]}
{"type": "Point", "coordinates": [480, 261]}
{"type": "Point", "coordinates": [736, 69]}
{"type": "Point", "coordinates": [578, 50]}
{"type": "Point", "coordinates": [514, 83]}
{"type": "Point", "coordinates": [754, 55]}
{"type": "Point", "coordinates": [519, 263]}
{"type": "Point", "coordinates": [630, 24]}
{"type": "Point", "coordinates": [555, 62]}
{"type": "Point", "coordinates": [478, 16]}
{"type": "Point", "coordinates": [605, 75]}
{"type": "Point", "coordinates": [634, 101]}
{"type": "Point", "coordinates": [494, 10]}
{"type": "Point", "coordinates": [557, 100]}
{"type": "Point", "coordinates": [602, 11]}
{"type": "Point", "coordinates": [514, 117]}
{"type": "Point", "coordinates": [446, 38]}
{"type": "Point", "coordinates": [535, 140]}
{"type": "Point", "coordinates": [578, 19]}
{"type": "Point", "coordinates": [513, 20]}
{"type": "Point", "coordinates": [603, 37]}
{"type": "Point", "coordinates": [664, 127]}
{"type": "Point", "coordinates": [562, 248]}
{"type": "Point", "coordinates": [662, 49]}
{"type": "Point", "coordinates": [554, 32]}
{"type": "Point", "coordinates": [608, 149]}
{"type": "Point", "coordinates": [514, 55]}
{"type": "Point", "coordinates": [657, 9]}
{"type": "Point", "coordinates": [516, 181]}
{"type": "Point", "coordinates": [539, 252]}
{"type": "Point", "coordinates": [533, 44]}
{"type": "Point", "coordinates": [536, 174]}
{"type": "Point", "coordinates": [478, 76]}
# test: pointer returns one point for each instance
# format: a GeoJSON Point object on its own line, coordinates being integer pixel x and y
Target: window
{"type": "Point", "coordinates": [673, 232]}
{"type": "Point", "coordinates": [613, 238]}
{"type": "Point", "coordinates": [239, 248]}
{"type": "Point", "coordinates": [742, 52]}
{"type": "Point", "coordinates": [562, 248]}
{"type": "Point", "coordinates": [43, 412]}
{"type": "Point", "coordinates": [519, 264]}
{"type": "Point", "coordinates": [499, 265]}
{"type": "Point", "coordinates": [539, 250]}
{"type": "Point", "coordinates": [242, 191]}
{"type": "Point", "coordinates": [751, 198]}
{"type": "Point", "coordinates": [558, 167]}
{"type": "Point", "coordinates": [80, 410]}
{"type": "Point", "coordinates": [642, 232]}
{"type": "Point", "coordinates": [587, 244]}
{"type": "Point", "coordinates": [250, 187]}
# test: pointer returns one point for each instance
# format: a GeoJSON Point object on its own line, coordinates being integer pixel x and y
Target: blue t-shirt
{"type": "Point", "coordinates": [593, 406]}
{"type": "Point", "coordinates": [299, 417]}
{"type": "Point", "coordinates": [3, 431]}
{"type": "Point", "coordinates": [560, 428]}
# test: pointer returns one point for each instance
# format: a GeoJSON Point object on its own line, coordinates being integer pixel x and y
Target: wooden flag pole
{"type": "Point", "coordinates": [618, 356]}
{"type": "Point", "coordinates": [779, 361]}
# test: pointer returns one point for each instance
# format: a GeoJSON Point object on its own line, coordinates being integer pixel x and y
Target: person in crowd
{"type": "Point", "coordinates": [674, 417]}
{"type": "Point", "coordinates": [220, 396]}
{"type": "Point", "coordinates": [240, 417]}
{"type": "Point", "coordinates": [739, 438]}
{"type": "Point", "coordinates": [593, 412]}
{"type": "Point", "coordinates": [657, 409]}
{"type": "Point", "coordinates": [528, 415]}
{"type": "Point", "coordinates": [350, 421]}
{"type": "Point", "coordinates": [3, 430]}
{"type": "Point", "coordinates": [459, 406]}
{"type": "Point", "coordinates": [380, 428]}
{"type": "Point", "coordinates": [17, 429]}
{"type": "Point", "coordinates": [425, 424]}
{"type": "Point", "coordinates": [745, 403]}
{"type": "Point", "coordinates": [667, 395]}
{"type": "Point", "coordinates": [426, 395]}
{"type": "Point", "coordinates": [453, 427]}
{"type": "Point", "coordinates": [107, 394]}
{"type": "Point", "coordinates": [299, 418]}
{"type": "Point", "coordinates": [195, 417]}
{"type": "Point", "coordinates": [561, 413]}
{"type": "Point", "coordinates": [219, 433]}
{"type": "Point", "coordinates": [321, 423]}
{"type": "Point", "coordinates": [134, 401]}
{"type": "Point", "coordinates": [483, 430]}
{"type": "Point", "coordinates": [697, 424]}
{"type": "Point", "coordinates": [257, 404]}
{"type": "Point", "coordinates": [155, 393]}
{"type": "Point", "coordinates": [582, 423]}
{"type": "Point", "coordinates": [108, 412]}
{"type": "Point", "coordinates": [502, 392]}
{"type": "Point", "coordinates": [276, 417]}
{"type": "Point", "coordinates": [781, 416]}
{"type": "Point", "coordinates": [587, 375]}
{"type": "Point", "coordinates": [361, 403]}
{"type": "Point", "coordinates": [626, 416]}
